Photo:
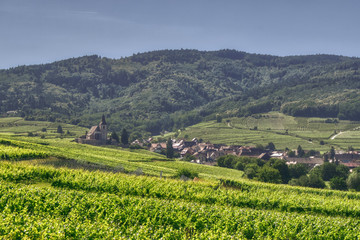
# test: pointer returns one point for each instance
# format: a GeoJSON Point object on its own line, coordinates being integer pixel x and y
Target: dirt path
{"type": "Point", "coordinates": [333, 137]}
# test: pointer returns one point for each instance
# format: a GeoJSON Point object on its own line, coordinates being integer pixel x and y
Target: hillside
{"type": "Point", "coordinates": [52, 187]}
{"type": "Point", "coordinates": [46, 202]}
{"type": "Point", "coordinates": [170, 89]}
{"type": "Point", "coordinates": [283, 130]}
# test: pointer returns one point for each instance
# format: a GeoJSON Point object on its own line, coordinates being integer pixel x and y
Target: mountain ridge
{"type": "Point", "coordinates": [168, 89]}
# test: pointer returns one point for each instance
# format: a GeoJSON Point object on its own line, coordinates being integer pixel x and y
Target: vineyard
{"type": "Point", "coordinates": [54, 188]}
{"type": "Point", "coordinates": [16, 153]}
{"type": "Point", "coordinates": [49, 203]}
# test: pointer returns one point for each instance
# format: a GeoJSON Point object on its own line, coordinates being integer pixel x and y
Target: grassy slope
{"type": "Point", "coordinates": [117, 158]}
{"type": "Point", "coordinates": [271, 127]}
{"type": "Point", "coordinates": [48, 203]}
{"type": "Point", "coordinates": [254, 210]}
{"type": "Point", "coordinates": [19, 126]}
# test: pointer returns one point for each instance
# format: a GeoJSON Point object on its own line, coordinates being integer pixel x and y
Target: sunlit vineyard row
{"type": "Point", "coordinates": [149, 163]}
{"type": "Point", "coordinates": [16, 153]}
{"type": "Point", "coordinates": [241, 194]}
{"type": "Point", "coordinates": [42, 212]}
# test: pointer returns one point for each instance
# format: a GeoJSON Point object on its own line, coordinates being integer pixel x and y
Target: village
{"type": "Point", "coordinates": [208, 153]}
{"type": "Point", "coordinates": [198, 152]}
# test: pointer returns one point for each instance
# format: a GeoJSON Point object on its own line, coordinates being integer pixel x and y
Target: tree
{"type": "Point", "coordinates": [297, 170]}
{"type": "Point", "coordinates": [218, 118]}
{"type": "Point", "coordinates": [187, 173]}
{"type": "Point", "coordinates": [271, 146]}
{"type": "Point", "coordinates": [342, 171]}
{"type": "Point", "coordinates": [291, 154]}
{"type": "Point", "coordinates": [283, 169]}
{"type": "Point", "coordinates": [332, 153]}
{"type": "Point", "coordinates": [251, 170]}
{"type": "Point", "coordinates": [59, 129]}
{"type": "Point", "coordinates": [300, 151]}
{"type": "Point", "coordinates": [169, 149]}
{"type": "Point", "coordinates": [328, 171]}
{"type": "Point", "coordinates": [338, 183]}
{"type": "Point", "coordinates": [316, 181]}
{"type": "Point", "coordinates": [115, 137]}
{"type": "Point", "coordinates": [353, 181]}
{"type": "Point", "coordinates": [269, 174]}
{"type": "Point", "coordinates": [326, 158]}
{"type": "Point", "coordinates": [124, 137]}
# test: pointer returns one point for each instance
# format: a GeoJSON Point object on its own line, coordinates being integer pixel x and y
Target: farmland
{"type": "Point", "coordinates": [81, 204]}
{"type": "Point", "coordinates": [284, 131]}
{"type": "Point", "coordinates": [54, 188]}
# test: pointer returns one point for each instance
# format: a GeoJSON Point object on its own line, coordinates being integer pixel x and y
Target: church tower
{"type": "Point", "coordinates": [103, 129]}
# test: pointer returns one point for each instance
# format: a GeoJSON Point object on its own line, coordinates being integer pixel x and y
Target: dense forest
{"type": "Point", "coordinates": [164, 90]}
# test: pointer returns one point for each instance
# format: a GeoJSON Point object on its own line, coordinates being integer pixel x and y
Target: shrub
{"type": "Point", "coordinates": [269, 174]}
{"type": "Point", "coordinates": [187, 173]}
{"type": "Point", "coordinates": [353, 181]}
{"type": "Point", "coordinates": [338, 183]}
{"type": "Point", "coordinates": [316, 181]}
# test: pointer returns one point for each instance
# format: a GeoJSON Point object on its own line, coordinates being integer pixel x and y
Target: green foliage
{"type": "Point", "coordinates": [353, 181]}
{"type": "Point", "coordinates": [64, 203]}
{"type": "Point", "coordinates": [269, 174]}
{"type": "Point", "coordinates": [186, 173]}
{"type": "Point", "coordinates": [115, 137]}
{"type": "Point", "coordinates": [338, 183]}
{"type": "Point", "coordinates": [124, 137]}
{"type": "Point", "coordinates": [16, 153]}
{"type": "Point", "coordinates": [300, 152]}
{"type": "Point", "coordinates": [328, 171]}
{"type": "Point", "coordinates": [169, 149]}
{"type": "Point", "coordinates": [130, 91]}
{"type": "Point", "coordinates": [316, 181]}
{"type": "Point", "coordinates": [332, 153]}
{"type": "Point", "coordinates": [282, 167]}
{"type": "Point", "coordinates": [59, 129]}
{"type": "Point", "coordinates": [270, 146]}
{"type": "Point", "coordinates": [218, 118]}
{"type": "Point", "coordinates": [297, 170]}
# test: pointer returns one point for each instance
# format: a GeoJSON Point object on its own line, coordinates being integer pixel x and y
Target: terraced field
{"type": "Point", "coordinates": [48, 203]}
{"type": "Point", "coordinates": [284, 131]}
{"type": "Point", "coordinates": [54, 188]}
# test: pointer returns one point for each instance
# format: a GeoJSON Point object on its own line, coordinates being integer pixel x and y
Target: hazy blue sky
{"type": "Point", "coordinates": [41, 31]}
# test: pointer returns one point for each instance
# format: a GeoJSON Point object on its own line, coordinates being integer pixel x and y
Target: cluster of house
{"type": "Point", "coordinates": [208, 153]}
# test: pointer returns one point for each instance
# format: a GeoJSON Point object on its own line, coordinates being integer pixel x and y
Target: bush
{"type": "Point", "coordinates": [297, 170]}
{"type": "Point", "coordinates": [59, 129]}
{"type": "Point", "coordinates": [187, 173]}
{"type": "Point", "coordinates": [283, 169]}
{"type": "Point", "coordinates": [251, 170]}
{"type": "Point", "coordinates": [316, 181]}
{"type": "Point", "coordinates": [136, 146]}
{"type": "Point", "coordinates": [338, 183]}
{"type": "Point", "coordinates": [269, 174]}
{"type": "Point", "coordinates": [353, 181]}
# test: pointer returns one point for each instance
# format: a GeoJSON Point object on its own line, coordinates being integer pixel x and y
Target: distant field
{"type": "Point", "coordinates": [284, 131]}
{"type": "Point", "coordinates": [19, 126]}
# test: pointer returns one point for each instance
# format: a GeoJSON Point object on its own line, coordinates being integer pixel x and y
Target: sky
{"type": "Point", "coordinates": [43, 31]}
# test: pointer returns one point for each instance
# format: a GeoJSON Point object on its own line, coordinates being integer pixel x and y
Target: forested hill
{"type": "Point", "coordinates": [162, 90]}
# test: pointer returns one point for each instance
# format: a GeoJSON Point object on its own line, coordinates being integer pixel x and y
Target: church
{"type": "Point", "coordinates": [97, 134]}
